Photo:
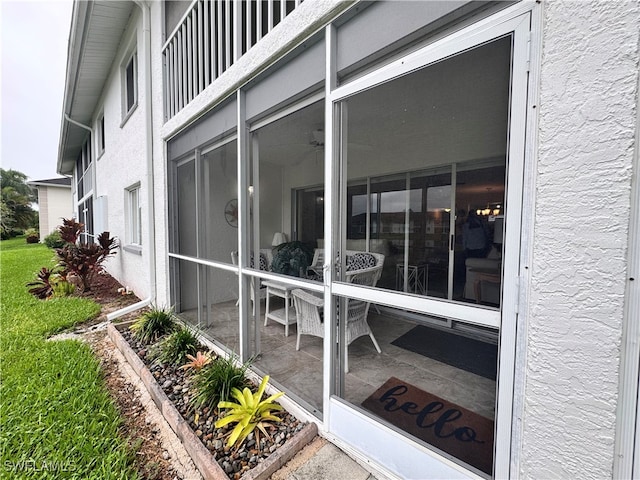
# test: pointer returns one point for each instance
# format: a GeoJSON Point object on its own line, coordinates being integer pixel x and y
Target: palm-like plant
{"type": "Point", "coordinates": [250, 412]}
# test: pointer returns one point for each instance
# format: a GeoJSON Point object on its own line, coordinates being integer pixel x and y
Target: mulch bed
{"type": "Point", "coordinates": [235, 460]}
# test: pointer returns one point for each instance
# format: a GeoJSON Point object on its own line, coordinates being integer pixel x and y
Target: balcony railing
{"type": "Point", "coordinates": [212, 35]}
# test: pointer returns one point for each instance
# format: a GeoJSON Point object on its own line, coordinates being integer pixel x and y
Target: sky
{"type": "Point", "coordinates": [33, 40]}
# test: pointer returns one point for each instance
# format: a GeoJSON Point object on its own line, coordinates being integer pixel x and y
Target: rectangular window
{"type": "Point", "coordinates": [100, 133]}
{"type": "Point", "coordinates": [134, 214]}
{"type": "Point", "coordinates": [130, 85]}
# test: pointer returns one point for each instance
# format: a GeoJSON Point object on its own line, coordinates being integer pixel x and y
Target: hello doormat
{"type": "Point", "coordinates": [443, 424]}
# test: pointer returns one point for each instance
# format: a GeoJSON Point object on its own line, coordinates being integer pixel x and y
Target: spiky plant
{"type": "Point", "coordinates": [175, 347]}
{"type": "Point", "coordinates": [153, 324]}
{"type": "Point", "coordinates": [198, 362]}
{"type": "Point", "coordinates": [250, 412]}
{"type": "Point", "coordinates": [214, 382]}
{"type": "Point", "coordinates": [42, 287]}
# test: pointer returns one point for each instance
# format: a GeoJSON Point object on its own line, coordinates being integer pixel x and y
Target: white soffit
{"type": "Point", "coordinates": [97, 28]}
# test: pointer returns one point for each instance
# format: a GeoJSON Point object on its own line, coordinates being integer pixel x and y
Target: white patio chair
{"type": "Point", "coordinates": [310, 315]}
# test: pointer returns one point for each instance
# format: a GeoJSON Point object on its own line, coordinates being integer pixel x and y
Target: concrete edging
{"type": "Point", "coordinates": [200, 455]}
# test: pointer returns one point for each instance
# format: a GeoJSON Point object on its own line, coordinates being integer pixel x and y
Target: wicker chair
{"type": "Point", "coordinates": [310, 315]}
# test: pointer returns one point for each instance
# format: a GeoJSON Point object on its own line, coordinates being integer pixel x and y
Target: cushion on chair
{"type": "Point", "coordinates": [360, 261]}
{"type": "Point", "coordinates": [264, 264]}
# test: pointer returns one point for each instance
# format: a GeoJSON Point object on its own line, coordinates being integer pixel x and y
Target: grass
{"type": "Point", "coordinates": [56, 417]}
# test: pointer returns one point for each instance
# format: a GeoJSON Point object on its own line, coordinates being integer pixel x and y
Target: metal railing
{"type": "Point", "coordinates": [211, 36]}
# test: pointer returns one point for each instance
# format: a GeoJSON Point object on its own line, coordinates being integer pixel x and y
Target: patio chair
{"type": "Point", "coordinates": [310, 314]}
{"type": "Point", "coordinates": [265, 264]}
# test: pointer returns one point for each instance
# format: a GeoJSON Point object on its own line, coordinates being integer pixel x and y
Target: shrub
{"type": "Point", "coordinates": [175, 348]}
{"type": "Point", "coordinates": [62, 288]}
{"type": "Point", "coordinates": [32, 235]}
{"type": "Point", "coordinates": [42, 287]}
{"type": "Point", "coordinates": [54, 240]}
{"type": "Point", "coordinates": [250, 412]}
{"type": "Point", "coordinates": [214, 382]}
{"type": "Point", "coordinates": [153, 324]}
{"type": "Point", "coordinates": [83, 259]}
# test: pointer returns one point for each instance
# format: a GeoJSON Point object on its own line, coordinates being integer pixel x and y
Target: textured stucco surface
{"type": "Point", "coordinates": [123, 164]}
{"type": "Point", "coordinates": [588, 111]}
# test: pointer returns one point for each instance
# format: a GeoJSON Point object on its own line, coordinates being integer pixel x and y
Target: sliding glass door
{"type": "Point", "coordinates": [424, 157]}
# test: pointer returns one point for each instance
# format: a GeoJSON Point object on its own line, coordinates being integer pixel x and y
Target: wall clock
{"type": "Point", "coordinates": [231, 212]}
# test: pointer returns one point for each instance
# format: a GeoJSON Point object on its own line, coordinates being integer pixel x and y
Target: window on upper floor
{"type": "Point", "coordinates": [84, 180]}
{"type": "Point", "coordinates": [129, 85]}
{"type": "Point", "coordinates": [100, 135]}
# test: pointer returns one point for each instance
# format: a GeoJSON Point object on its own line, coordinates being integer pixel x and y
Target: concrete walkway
{"type": "Point", "coordinates": [321, 460]}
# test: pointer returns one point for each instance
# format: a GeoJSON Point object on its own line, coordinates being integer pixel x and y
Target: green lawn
{"type": "Point", "coordinates": [56, 417]}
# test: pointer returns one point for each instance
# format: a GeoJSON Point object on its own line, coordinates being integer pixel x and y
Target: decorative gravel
{"type": "Point", "coordinates": [235, 460]}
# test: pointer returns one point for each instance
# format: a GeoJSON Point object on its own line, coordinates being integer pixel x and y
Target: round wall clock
{"type": "Point", "coordinates": [231, 212]}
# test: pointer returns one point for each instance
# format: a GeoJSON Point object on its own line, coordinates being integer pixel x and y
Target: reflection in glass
{"type": "Point", "coordinates": [409, 141]}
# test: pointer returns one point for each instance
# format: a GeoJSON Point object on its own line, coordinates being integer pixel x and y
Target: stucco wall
{"type": "Point", "coordinates": [588, 109]}
{"type": "Point", "coordinates": [123, 163]}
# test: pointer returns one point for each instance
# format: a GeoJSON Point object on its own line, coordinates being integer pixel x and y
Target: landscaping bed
{"type": "Point", "coordinates": [172, 387]}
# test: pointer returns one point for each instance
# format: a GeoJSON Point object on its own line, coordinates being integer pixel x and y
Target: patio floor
{"type": "Point", "coordinates": [299, 373]}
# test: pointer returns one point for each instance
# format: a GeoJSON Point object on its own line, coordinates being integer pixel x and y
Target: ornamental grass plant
{"type": "Point", "coordinates": [175, 347]}
{"type": "Point", "coordinates": [214, 382]}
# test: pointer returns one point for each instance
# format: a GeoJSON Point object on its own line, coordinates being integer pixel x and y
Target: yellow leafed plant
{"type": "Point", "coordinates": [250, 412]}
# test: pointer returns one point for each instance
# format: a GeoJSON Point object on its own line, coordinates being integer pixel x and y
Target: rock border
{"type": "Point", "coordinates": [200, 455]}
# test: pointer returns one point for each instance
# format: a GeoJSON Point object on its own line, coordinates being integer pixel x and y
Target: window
{"type": "Point", "coordinates": [134, 216]}
{"type": "Point", "coordinates": [130, 85]}
{"type": "Point", "coordinates": [100, 134]}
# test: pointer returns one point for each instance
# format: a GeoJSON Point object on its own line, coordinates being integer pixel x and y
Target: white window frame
{"type": "Point", "coordinates": [100, 144]}
{"type": "Point", "coordinates": [131, 59]}
{"type": "Point", "coordinates": [133, 219]}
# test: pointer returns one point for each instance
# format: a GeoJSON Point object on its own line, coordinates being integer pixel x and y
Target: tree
{"type": "Point", "coordinates": [17, 196]}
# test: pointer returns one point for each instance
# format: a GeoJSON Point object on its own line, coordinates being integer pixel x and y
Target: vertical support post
{"type": "Point", "coordinates": [206, 42]}
{"type": "Point", "coordinates": [189, 58]}
{"type": "Point", "coordinates": [329, 344]}
{"type": "Point", "coordinates": [237, 30]}
{"type": "Point", "coordinates": [197, 165]}
{"type": "Point", "coordinates": [243, 227]}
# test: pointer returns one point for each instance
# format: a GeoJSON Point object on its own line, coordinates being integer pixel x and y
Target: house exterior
{"type": "Point", "coordinates": [488, 151]}
{"type": "Point", "coordinates": [55, 202]}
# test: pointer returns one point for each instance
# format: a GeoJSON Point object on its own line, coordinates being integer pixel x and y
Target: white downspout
{"type": "Point", "coordinates": [146, 31]}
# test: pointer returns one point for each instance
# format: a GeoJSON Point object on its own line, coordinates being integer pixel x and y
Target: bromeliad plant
{"type": "Point", "coordinates": [250, 412]}
{"type": "Point", "coordinates": [198, 362]}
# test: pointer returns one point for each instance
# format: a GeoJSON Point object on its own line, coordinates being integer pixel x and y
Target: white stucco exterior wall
{"type": "Point", "coordinates": [123, 163]}
{"type": "Point", "coordinates": [588, 112]}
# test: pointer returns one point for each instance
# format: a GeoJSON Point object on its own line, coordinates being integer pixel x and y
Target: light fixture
{"type": "Point", "coordinates": [278, 239]}
{"type": "Point", "coordinates": [490, 209]}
